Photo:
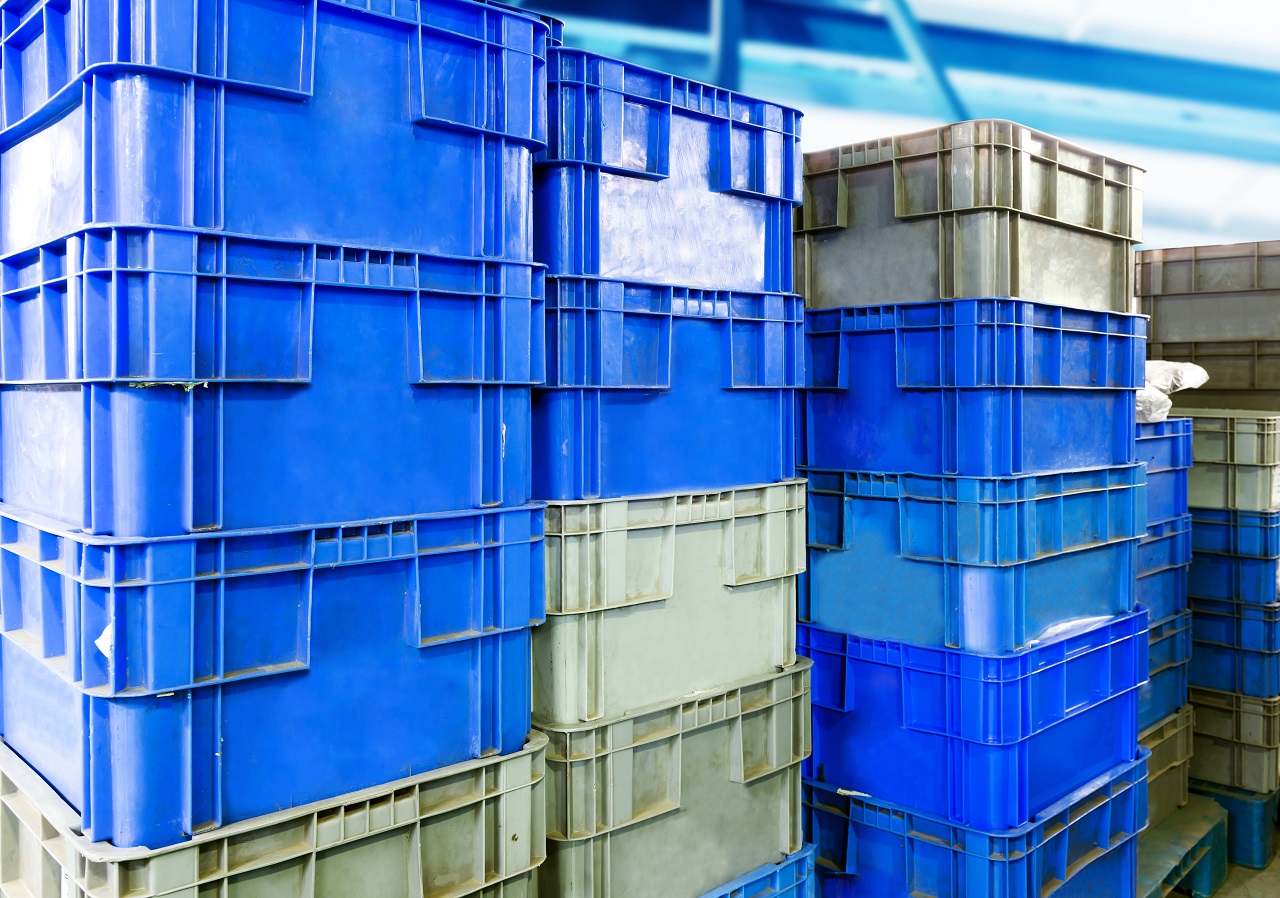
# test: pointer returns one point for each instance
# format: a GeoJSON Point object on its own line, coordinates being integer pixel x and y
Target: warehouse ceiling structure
{"type": "Point", "coordinates": [1190, 91]}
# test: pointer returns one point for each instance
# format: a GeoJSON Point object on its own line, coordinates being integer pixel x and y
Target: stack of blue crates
{"type": "Point", "coordinates": [662, 438]}
{"type": "Point", "coordinates": [977, 510]}
{"type": "Point", "coordinates": [1164, 556]}
{"type": "Point", "coordinates": [270, 324]}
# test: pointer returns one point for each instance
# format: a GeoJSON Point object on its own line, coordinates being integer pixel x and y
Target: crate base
{"type": "Point", "coordinates": [1188, 852]}
{"type": "Point", "coordinates": [792, 877]}
{"type": "Point", "coordinates": [1251, 822]}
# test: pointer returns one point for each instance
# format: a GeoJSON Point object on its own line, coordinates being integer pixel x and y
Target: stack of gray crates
{"type": "Point", "coordinates": [665, 676]}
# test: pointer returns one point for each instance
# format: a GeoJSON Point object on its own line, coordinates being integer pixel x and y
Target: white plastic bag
{"type": "Point", "coordinates": [1153, 406]}
{"type": "Point", "coordinates": [1170, 377]}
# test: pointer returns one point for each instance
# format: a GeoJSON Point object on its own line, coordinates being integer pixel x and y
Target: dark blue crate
{"type": "Point", "coordinates": [977, 563]}
{"type": "Point", "coordinates": [312, 120]}
{"type": "Point", "coordinates": [977, 387]}
{"type": "Point", "coordinates": [1083, 846]}
{"type": "Point", "coordinates": [1237, 578]}
{"type": "Point", "coordinates": [166, 686]}
{"type": "Point", "coordinates": [1167, 544]}
{"type": "Point", "coordinates": [712, 175]}
{"type": "Point", "coordinates": [1236, 647]}
{"type": "Point", "coordinates": [984, 740]}
{"type": "Point", "coordinates": [291, 384]}
{"type": "Point", "coordinates": [1221, 531]}
{"type": "Point", "coordinates": [1165, 448]}
{"type": "Point", "coordinates": [1163, 593]}
{"type": "Point", "coordinates": [1169, 654]}
{"type": "Point", "coordinates": [655, 389]}
{"type": "Point", "coordinates": [1251, 822]}
{"type": "Point", "coordinates": [792, 877]}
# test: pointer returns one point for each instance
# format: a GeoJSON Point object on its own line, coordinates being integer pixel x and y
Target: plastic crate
{"type": "Point", "coordinates": [678, 799]}
{"type": "Point", "coordinates": [712, 174]}
{"type": "Point", "coordinates": [977, 387]}
{"type": "Point", "coordinates": [976, 563]}
{"type": "Point", "coordinates": [984, 740]}
{"type": "Point", "coordinates": [653, 598]}
{"type": "Point", "coordinates": [1237, 370]}
{"type": "Point", "coordinates": [1211, 293]}
{"type": "Point", "coordinates": [1236, 647]}
{"type": "Point", "coordinates": [162, 686]}
{"type": "Point", "coordinates": [1234, 578]}
{"type": "Point", "coordinates": [1082, 846]}
{"type": "Point", "coordinates": [398, 381]}
{"type": "Point", "coordinates": [1237, 459]}
{"type": "Point", "coordinates": [1163, 556]}
{"type": "Point", "coordinates": [475, 828]}
{"type": "Point", "coordinates": [413, 130]}
{"type": "Point", "coordinates": [1169, 767]}
{"type": "Point", "coordinates": [791, 877]}
{"type": "Point", "coordinates": [1187, 852]}
{"type": "Point", "coordinates": [657, 389]}
{"type": "Point", "coordinates": [1237, 740]}
{"type": "Point", "coordinates": [1251, 823]}
{"type": "Point", "coordinates": [981, 208]}
{"type": "Point", "coordinates": [1165, 448]}
{"type": "Point", "coordinates": [1170, 652]}
{"type": "Point", "coordinates": [1252, 534]}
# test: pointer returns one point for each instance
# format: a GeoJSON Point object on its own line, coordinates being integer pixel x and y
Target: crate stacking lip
{"type": "Point", "coordinates": [1237, 741]}
{"type": "Point", "coordinates": [1237, 459]}
{"type": "Point", "coordinates": [713, 174]}
{"type": "Point", "coordinates": [1251, 822]}
{"type": "Point", "coordinates": [655, 597]}
{"type": "Point", "coordinates": [792, 877]}
{"type": "Point", "coordinates": [976, 387]}
{"type": "Point", "coordinates": [987, 741]}
{"type": "Point", "coordinates": [415, 132]}
{"type": "Point", "coordinates": [1170, 654]}
{"type": "Point", "coordinates": [1169, 766]}
{"type": "Point", "coordinates": [1165, 448]}
{"type": "Point", "coordinates": [473, 828]}
{"type": "Point", "coordinates": [1236, 647]}
{"type": "Point", "coordinates": [680, 797]}
{"type": "Point", "coordinates": [1164, 557]}
{"type": "Point", "coordinates": [979, 208]}
{"type": "Point", "coordinates": [1082, 846]}
{"type": "Point", "coordinates": [974, 563]}
{"type": "Point", "coordinates": [158, 382]}
{"type": "Point", "coordinates": [161, 685]}
{"type": "Point", "coordinates": [657, 389]}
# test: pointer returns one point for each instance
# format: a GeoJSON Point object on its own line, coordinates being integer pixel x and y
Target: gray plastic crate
{"type": "Point", "coordinates": [1237, 740]}
{"type": "Point", "coordinates": [1211, 294]}
{"type": "Point", "coordinates": [1237, 459]}
{"type": "Point", "coordinates": [1253, 400]}
{"type": "Point", "coordinates": [679, 799]}
{"type": "Point", "coordinates": [652, 598]}
{"type": "Point", "coordinates": [1234, 367]}
{"type": "Point", "coordinates": [982, 208]}
{"type": "Point", "coordinates": [1169, 767]}
{"type": "Point", "coordinates": [473, 829]}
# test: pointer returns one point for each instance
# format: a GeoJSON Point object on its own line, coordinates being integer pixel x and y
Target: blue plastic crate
{"type": "Point", "coordinates": [288, 384]}
{"type": "Point", "coordinates": [712, 175]}
{"type": "Point", "coordinates": [984, 740]}
{"type": "Point", "coordinates": [1163, 593]}
{"type": "Point", "coordinates": [167, 686]}
{"type": "Point", "coordinates": [1251, 822]}
{"type": "Point", "coordinates": [1237, 578]}
{"type": "Point", "coordinates": [792, 877]}
{"type": "Point", "coordinates": [976, 387]}
{"type": "Point", "coordinates": [1083, 846]}
{"type": "Point", "coordinates": [655, 389]}
{"type": "Point", "coordinates": [1165, 448]}
{"type": "Point", "coordinates": [977, 563]}
{"type": "Point", "coordinates": [1169, 654]}
{"type": "Point", "coordinates": [1163, 557]}
{"type": "Point", "coordinates": [307, 120]}
{"type": "Point", "coordinates": [1186, 851]}
{"type": "Point", "coordinates": [1236, 647]}
{"type": "Point", "coordinates": [1221, 531]}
